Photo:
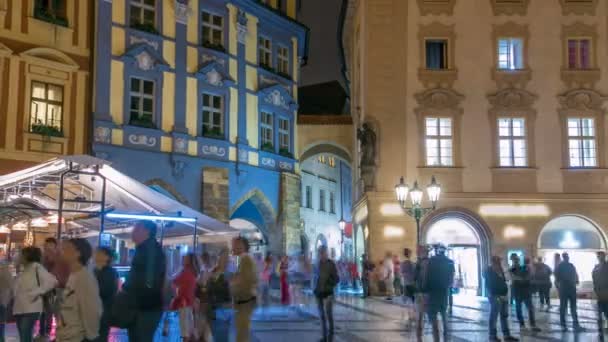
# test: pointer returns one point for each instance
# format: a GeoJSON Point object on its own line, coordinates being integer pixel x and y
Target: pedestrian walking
{"type": "Point", "coordinates": [397, 282]}
{"type": "Point", "coordinates": [146, 282]}
{"type": "Point", "coordinates": [283, 269]}
{"type": "Point", "coordinates": [566, 279]}
{"type": "Point", "coordinates": [388, 275]}
{"type": "Point", "coordinates": [265, 276]}
{"type": "Point", "coordinates": [80, 306]}
{"type": "Point", "coordinates": [439, 280]}
{"type": "Point", "coordinates": [542, 280]}
{"type": "Point", "coordinates": [521, 290]}
{"type": "Point", "coordinates": [203, 329]}
{"type": "Point", "coordinates": [600, 286]}
{"type": "Point", "coordinates": [408, 274]}
{"type": "Point", "coordinates": [368, 268]}
{"type": "Point", "coordinates": [31, 284]}
{"type": "Point", "coordinates": [496, 285]}
{"type": "Point", "coordinates": [422, 295]}
{"type": "Point", "coordinates": [183, 302]}
{"type": "Point", "coordinates": [54, 264]}
{"type": "Point", "coordinates": [218, 296]}
{"type": "Point", "coordinates": [326, 280]}
{"type": "Point", "coordinates": [6, 288]}
{"type": "Point", "coordinates": [243, 287]}
{"type": "Point", "coordinates": [107, 281]}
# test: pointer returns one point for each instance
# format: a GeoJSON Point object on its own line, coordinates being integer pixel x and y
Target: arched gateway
{"type": "Point", "coordinates": [468, 241]}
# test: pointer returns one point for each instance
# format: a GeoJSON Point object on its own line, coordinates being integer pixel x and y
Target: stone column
{"type": "Point", "coordinates": [214, 193]}
{"type": "Point", "coordinates": [290, 213]}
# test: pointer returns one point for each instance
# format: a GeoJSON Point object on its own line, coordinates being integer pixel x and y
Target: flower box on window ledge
{"type": "Point", "coordinates": [216, 47]}
{"type": "Point", "coordinates": [142, 122]}
{"type": "Point", "coordinates": [49, 17]}
{"type": "Point", "coordinates": [285, 153]}
{"type": "Point", "coordinates": [144, 27]}
{"type": "Point", "coordinates": [214, 133]}
{"type": "Point", "coordinates": [46, 130]}
{"type": "Point", "coordinates": [284, 75]}
{"type": "Point", "coordinates": [268, 147]}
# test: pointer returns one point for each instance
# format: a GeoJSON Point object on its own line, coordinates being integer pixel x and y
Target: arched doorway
{"type": "Point", "coordinates": [468, 243]}
{"type": "Point", "coordinates": [576, 235]}
{"type": "Point", "coordinates": [255, 209]}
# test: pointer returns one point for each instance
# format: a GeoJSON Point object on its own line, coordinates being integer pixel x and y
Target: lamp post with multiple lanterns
{"type": "Point", "coordinates": [416, 210]}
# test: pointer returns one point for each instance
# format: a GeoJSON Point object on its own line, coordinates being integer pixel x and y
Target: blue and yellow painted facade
{"type": "Point", "coordinates": [172, 55]}
{"type": "Point", "coordinates": [37, 48]}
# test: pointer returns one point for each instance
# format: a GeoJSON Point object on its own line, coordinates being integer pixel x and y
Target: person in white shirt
{"type": "Point", "coordinates": [80, 305]}
{"type": "Point", "coordinates": [31, 284]}
{"type": "Point", "coordinates": [388, 275]}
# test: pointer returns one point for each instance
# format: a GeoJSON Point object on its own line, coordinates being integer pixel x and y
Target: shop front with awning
{"type": "Point", "coordinates": [79, 196]}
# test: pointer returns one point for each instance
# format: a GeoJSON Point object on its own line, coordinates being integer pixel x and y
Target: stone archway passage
{"type": "Point", "coordinates": [466, 235]}
{"type": "Point", "coordinates": [256, 208]}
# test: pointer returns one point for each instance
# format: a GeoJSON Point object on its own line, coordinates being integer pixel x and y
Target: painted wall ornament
{"type": "Point", "coordinates": [178, 167]}
{"type": "Point", "coordinates": [214, 150]}
{"type": "Point", "coordinates": [141, 139]}
{"type": "Point", "coordinates": [241, 27]}
{"type": "Point", "coordinates": [243, 156]}
{"type": "Point", "coordinates": [268, 162]}
{"type": "Point", "coordinates": [136, 40]}
{"type": "Point", "coordinates": [275, 98]}
{"type": "Point", "coordinates": [285, 166]}
{"type": "Point", "coordinates": [182, 11]}
{"type": "Point", "coordinates": [181, 145]}
{"type": "Point", "coordinates": [144, 61]}
{"type": "Point", "coordinates": [214, 78]}
{"type": "Point", "coordinates": [103, 134]}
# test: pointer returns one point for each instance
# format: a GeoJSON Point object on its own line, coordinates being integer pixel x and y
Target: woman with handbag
{"type": "Point", "coordinates": [33, 282]}
{"type": "Point", "coordinates": [183, 302]}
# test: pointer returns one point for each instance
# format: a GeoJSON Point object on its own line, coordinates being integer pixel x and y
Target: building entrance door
{"type": "Point", "coordinates": [466, 263]}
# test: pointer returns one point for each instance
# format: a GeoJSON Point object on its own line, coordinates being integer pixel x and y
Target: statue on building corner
{"type": "Point", "coordinates": [367, 163]}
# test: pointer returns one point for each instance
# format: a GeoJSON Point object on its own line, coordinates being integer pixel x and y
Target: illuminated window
{"type": "Point", "coordinates": [438, 135]}
{"type": "Point", "coordinates": [266, 132]}
{"type": "Point", "coordinates": [512, 142]}
{"type": "Point", "coordinates": [142, 14]}
{"type": "Point", "coordinates": [332, 161]}
{"type": "Point", "coordinates": [213, 30]}
{"type": "Point", "coordinates": [321, 200]}
{"type": "Point", "coordinates": [265, 52]}
{"type": "Point", "coordinates": [213, 116]}
{"type": "Point", "coordinates": [436, 54]}
{"type": "Point", "coordinates": [579, 53]}
{"type": "Point", "coordinates": [142, 103]}
{"type": "Point", "coordinates": [283, 60]}
{"type": "Point", "coordinates": [46, 109]}
{"type": "Point", "coordinates": [582, 148]}
{"type": "Point", "coordinates": [510, 53]}
{"type": "Point", "coordinates": [284, 141]}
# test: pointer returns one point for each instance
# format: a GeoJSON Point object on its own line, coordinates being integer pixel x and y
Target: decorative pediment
{"type": "Point", "coordinates": [510, 7]}
{"type": "Point", "coordinates": [144, 57]}
{"type": "Point", "coordinates": [215, 74]}
{"type": "Point", "coordinates": [5, 51]}
{"type": "Point", "coordinates": [582, 99]}
{"type": "Point", "coordinates": [436, 7]}
{"type": "Point", "coordinates": [50, 57]}
{"type": "Point", "coordinates": [579, 7]}
{"type": "Point", "coordinates": [439, 99]}
{"type": "Point", "coordinates": [279, 97]}
{"type": "Point", "coordinates": [512, 100]}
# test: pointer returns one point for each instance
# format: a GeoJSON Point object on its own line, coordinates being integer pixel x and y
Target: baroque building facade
{"type": "Point", "coordinates": [504, 103]}
{"type": "Point", "coordinates": [198, 99]}
{"type": "Point", "coordinates": [45, 90]}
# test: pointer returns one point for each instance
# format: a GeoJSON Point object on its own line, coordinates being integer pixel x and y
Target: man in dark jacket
{"type": "Point", "coordinates": [367, 267]}
{"type": "Point", "coordinates": [326, 281]}
{"type": "Point", "coordinates": [521, 290]}
{"type": "Point", "coordinates": [498, 290]}
{"type": "Point", "coordinates": [439, 282]}
{"type": "Point", "coordinates": [145, 283]}
{"type": "Point", "coordinates": [542, 280]}
{"type": "Point", "coordinates": [600, 286]}
{"type": "Point", "coordinates": [566, 280]}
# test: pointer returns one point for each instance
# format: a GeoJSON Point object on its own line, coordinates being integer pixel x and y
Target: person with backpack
{"type": "Point", "coordinates": [600, 286]}
{"type": "Point", "coordinates": [497, 288]}
{"type": "Point", "coordinates": [438, 283]}
{"type": "Point", "coordinates": [521, 290]}
{"type": "Point", "coordinates": [107, 281]}
{"type": "Point", "coordinates": [145, 284]}
{"type": "Point", "coordinates": [326, 281]}
{"type": "Point", "coordinates": [79, 306]}
{"type": "Point", "coordinates": [566, 280]}
{"type": "Point", "coordinates": [31, 284]}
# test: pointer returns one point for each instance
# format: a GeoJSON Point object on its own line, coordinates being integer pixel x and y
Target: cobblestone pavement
{"type": "Point", "coordinates": [378, 320]}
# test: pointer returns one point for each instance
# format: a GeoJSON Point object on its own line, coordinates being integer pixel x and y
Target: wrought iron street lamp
{"type": "Point", "coordinates": [417, 211]}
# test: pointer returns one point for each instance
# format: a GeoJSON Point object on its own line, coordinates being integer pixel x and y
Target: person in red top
{"type": "Point", "coordinates": [183, 302]}
{"type": "Point", "coordinates": [55, 265]}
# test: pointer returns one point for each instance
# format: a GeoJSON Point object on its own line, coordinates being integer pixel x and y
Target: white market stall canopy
{"type": "Point", "coordinates": [33, 197]}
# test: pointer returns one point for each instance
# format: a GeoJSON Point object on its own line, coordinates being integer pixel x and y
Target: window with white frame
{"type": "Point", "coordinates": [284, 143]}
{"type": "Point", "coordinates": [213, 30]}
{"type": "Point", "coordinates": [321, 200]}
{"type": "Point", "coordinates": [46, 109]}
{"type": "Point", "coordinates": [267, 132]}
{"type": "Point", "coordinates": [265, 52]}
{"type": "Point", "coordinates": [512, 142]}
{"type": "Point", "coordinates": [142, 102]}
{"type": "Point", "coordinates": [438, 141]}
{"type": "Point", "coordinates": [283, 60]}
{"type": "Point", "coordinates": [579, 53]}
{"type": "Point", "coordinates": [582, 147]}
{"type": "Point", "coordinates": [510, 53]}
{"type": "Point", "coordinates": [332, 203]}
{"type": "Point", "coordinates": [142, 14]}
{"type": "Point", "coordinates": [213, 116]}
